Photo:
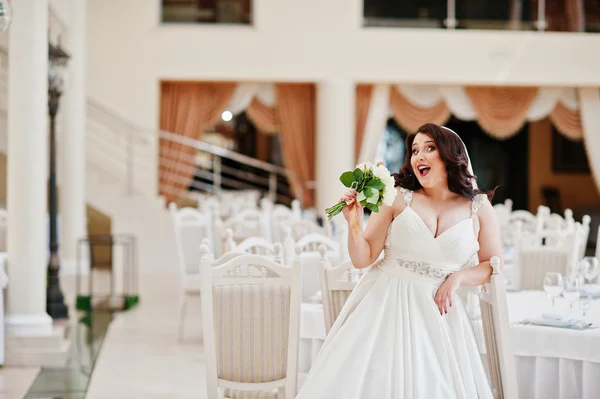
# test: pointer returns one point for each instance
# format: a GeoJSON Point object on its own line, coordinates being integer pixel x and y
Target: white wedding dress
{"type": "Point", "coordinates": [390, 341]}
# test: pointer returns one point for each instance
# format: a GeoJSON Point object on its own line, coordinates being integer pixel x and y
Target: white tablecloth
{"type": "Point", "coordinates": [552, 363]}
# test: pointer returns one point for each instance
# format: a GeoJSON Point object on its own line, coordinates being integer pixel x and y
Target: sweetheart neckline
{"type": "Point", "coordinates": [424, 225]}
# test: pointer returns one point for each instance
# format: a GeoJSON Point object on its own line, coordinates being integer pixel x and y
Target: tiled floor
{"type": "Point", "coordinates": [141, 353]}
{"type": "Point", "coordinates": [71, 382]}
{"type": "Point", "coordinates": [14, 381]}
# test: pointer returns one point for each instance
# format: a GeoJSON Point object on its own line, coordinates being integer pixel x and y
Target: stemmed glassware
{"type": "Point", "coordinates": [553, 286]}
{"type": "Point", "coordinates": [572, 290]}
{"type": "Point", "coordinates": [589, 268]}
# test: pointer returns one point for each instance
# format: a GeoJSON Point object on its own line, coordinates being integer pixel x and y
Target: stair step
{"type": "Point", "coordinates": [45, 357]}
{"type": "Point", "coordinates": [38, 342]}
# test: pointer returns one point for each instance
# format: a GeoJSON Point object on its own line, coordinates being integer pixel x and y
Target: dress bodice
{"type": "Point", "coordinates": [410, 240]}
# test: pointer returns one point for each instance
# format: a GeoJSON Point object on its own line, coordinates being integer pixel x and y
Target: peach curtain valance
{"type": "Point", "coordinates": [411, 117]}
{"type": "Point", "coordinates": [567, 121]}
{"type": "Point", "coordinates": [501, 111]}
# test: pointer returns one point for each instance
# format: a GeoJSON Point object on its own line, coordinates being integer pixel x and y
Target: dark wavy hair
{"type": "Point", "coordinates": [454, 156]}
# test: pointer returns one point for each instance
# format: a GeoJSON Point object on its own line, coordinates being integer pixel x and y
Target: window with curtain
{"type": "Point", "coordinates": [207, 11]}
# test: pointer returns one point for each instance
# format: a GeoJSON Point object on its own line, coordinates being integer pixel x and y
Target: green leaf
{"type": "Point", "coordinates": [373, 207]}
{"type": "Point", "coordinates": [347, 178]}
{"type": "Point", "coordinates": [361, 196]}
{"type": "Point", "coordinates": [358, 175]}
{"type": "Point", "coordinates": [373, 198]}
{"type": "Point", "coordinates": [374, 183]}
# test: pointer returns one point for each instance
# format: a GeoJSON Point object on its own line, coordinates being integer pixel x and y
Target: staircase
{"type": "Point", "coordinates": [122, 175]}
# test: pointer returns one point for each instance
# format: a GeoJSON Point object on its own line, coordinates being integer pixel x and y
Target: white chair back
{"type": "Point", "coordinates": [310, 257]}
{"type": "Point", "coordinates": [503, 211]}
{"type": "Point", "coordinates": [251, 314]}
{"type": "Point", "coordinates": [282, 216]}
{"type": "Point", "coordinates": [255, 246]}
{"type": "Point", "coordinates": [301, 228]}
{"type": "Point", "coordinates": [498, 335]}
{"type": "Point", "coordinates": [191, 227]}
{"type": "Point", "coordinates": [337, 283]}
{"type": "Point", "coordinates": [247, 223]}
{"type": "Point", "coordinates": [539, 253]}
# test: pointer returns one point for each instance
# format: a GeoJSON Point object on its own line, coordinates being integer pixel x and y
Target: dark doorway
{"type": "Point", "coordinates": [498, 163]}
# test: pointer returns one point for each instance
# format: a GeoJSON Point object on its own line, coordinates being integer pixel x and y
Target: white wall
{"type": "Point", "coordinates": [313, 40]}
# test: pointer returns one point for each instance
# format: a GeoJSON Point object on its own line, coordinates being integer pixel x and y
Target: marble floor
{"type": "Point", "coordinates": [141, 357]}
{"type": "Point", "coordinates": [15, 381]}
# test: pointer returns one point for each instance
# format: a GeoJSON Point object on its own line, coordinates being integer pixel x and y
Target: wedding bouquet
{"type": "Point", "coordinates": [374, 184]}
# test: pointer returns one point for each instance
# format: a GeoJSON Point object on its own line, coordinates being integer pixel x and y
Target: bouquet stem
{"type": "Point", "coordinates": [335, 210]}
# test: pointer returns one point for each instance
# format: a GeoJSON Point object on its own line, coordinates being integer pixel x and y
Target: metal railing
{"type": "Point", "coordinates": [485, 14]}
{"type": "Point", "coordinates": [128, 151]}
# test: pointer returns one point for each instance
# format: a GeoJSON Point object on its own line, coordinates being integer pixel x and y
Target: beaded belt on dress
{"type": "Point", "coordinates": [425, 269]}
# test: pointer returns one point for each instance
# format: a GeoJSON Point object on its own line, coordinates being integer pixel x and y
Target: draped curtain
{"type": "Point", "coordinates": [364, 92]}
{"type": "Point", "coordinates": [186, 109]}
{"type": "Point", "coordinates": [411, 117]}
{"type": "Point", "coordinates": [501, 111]}
{"type": "Point", "coordinates": [264, 117]}
{"type": "Point", "coordinates": [296, 109]}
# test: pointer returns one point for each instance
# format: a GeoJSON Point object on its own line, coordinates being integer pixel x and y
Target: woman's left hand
{"type": "Point", "coordinates": [444, 295]}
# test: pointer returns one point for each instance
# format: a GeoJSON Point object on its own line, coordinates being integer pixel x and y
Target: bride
{"type": "Point", "coordinates": [404, 332]}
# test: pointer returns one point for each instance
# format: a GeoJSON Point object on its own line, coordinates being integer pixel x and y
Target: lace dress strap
{"type": "Point", "coordinates": [407, 194]}
{"type": "Point", "coordinates": [478, 200]}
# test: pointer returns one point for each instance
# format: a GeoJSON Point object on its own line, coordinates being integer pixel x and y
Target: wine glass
{"type": "Point", "coordinates": [572, 290]}
{"type": "Point", "coordinates": [584, 304]}
{"type": "Point", "coordinates": [590, 268]}
{"type": "Point", "coordinates": [553, 286]}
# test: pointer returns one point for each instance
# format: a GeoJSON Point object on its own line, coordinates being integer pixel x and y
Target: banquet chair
{"type": "Point", "coordinates": [497, 333]}
{"type": "Point", "coordinates": [255, 246]}
{"type": "Point", "coordinates": [337, 283]}
{"type": "Point", "coordinates": [192, 228]}
{"type": "Point", "coordinates": [310, 258]}
{"type": "Point", "coordinates": [251, 314]}
{"type": "Point", "coordinates": [539, 253]}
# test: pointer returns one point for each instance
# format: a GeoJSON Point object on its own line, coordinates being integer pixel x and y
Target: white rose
{"type": "Point", "coordinates": [389, 195]}
{"type": "Point", "coordinates": [381, 172]}
{"type": "Point", "coordinates": [365, 166]}
{"type": "Point", "coordinates": [389, 182]}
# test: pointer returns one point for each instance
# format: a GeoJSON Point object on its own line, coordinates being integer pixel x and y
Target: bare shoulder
{"type": "Point", "coordinates": [402, 197]}
{"type": "Point", "coordinates": [485, 208]}
{"type": "Point", "coordinates": [486, 215]}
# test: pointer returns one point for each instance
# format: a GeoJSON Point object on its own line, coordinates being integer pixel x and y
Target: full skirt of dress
{"type": "Point", "coordinates": [391, 342]}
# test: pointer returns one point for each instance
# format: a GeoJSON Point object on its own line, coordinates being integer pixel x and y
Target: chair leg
{"type": "Point", "coordinates": [182, 312]}
{"type": "Point", "coordinates": [201, 324]}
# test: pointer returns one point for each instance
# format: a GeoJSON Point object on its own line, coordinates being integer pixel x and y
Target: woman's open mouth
{"type": "Point", "coordinates": [423, 170]}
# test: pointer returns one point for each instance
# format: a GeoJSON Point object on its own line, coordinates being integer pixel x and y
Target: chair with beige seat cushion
{"type": "Point", "coordinates": [251, 320]}
{"type": "Point", "coordinates": [337, 284]}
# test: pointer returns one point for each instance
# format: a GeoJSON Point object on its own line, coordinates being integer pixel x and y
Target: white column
{"type": "Point", "coordinates": [589, 105]}
{"type": "Point", "coordinates": [335, 138]}
{"type": "Point", "coordinates": [27, 169]}
{"type": "Point", "coordinates": [72, 144]}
